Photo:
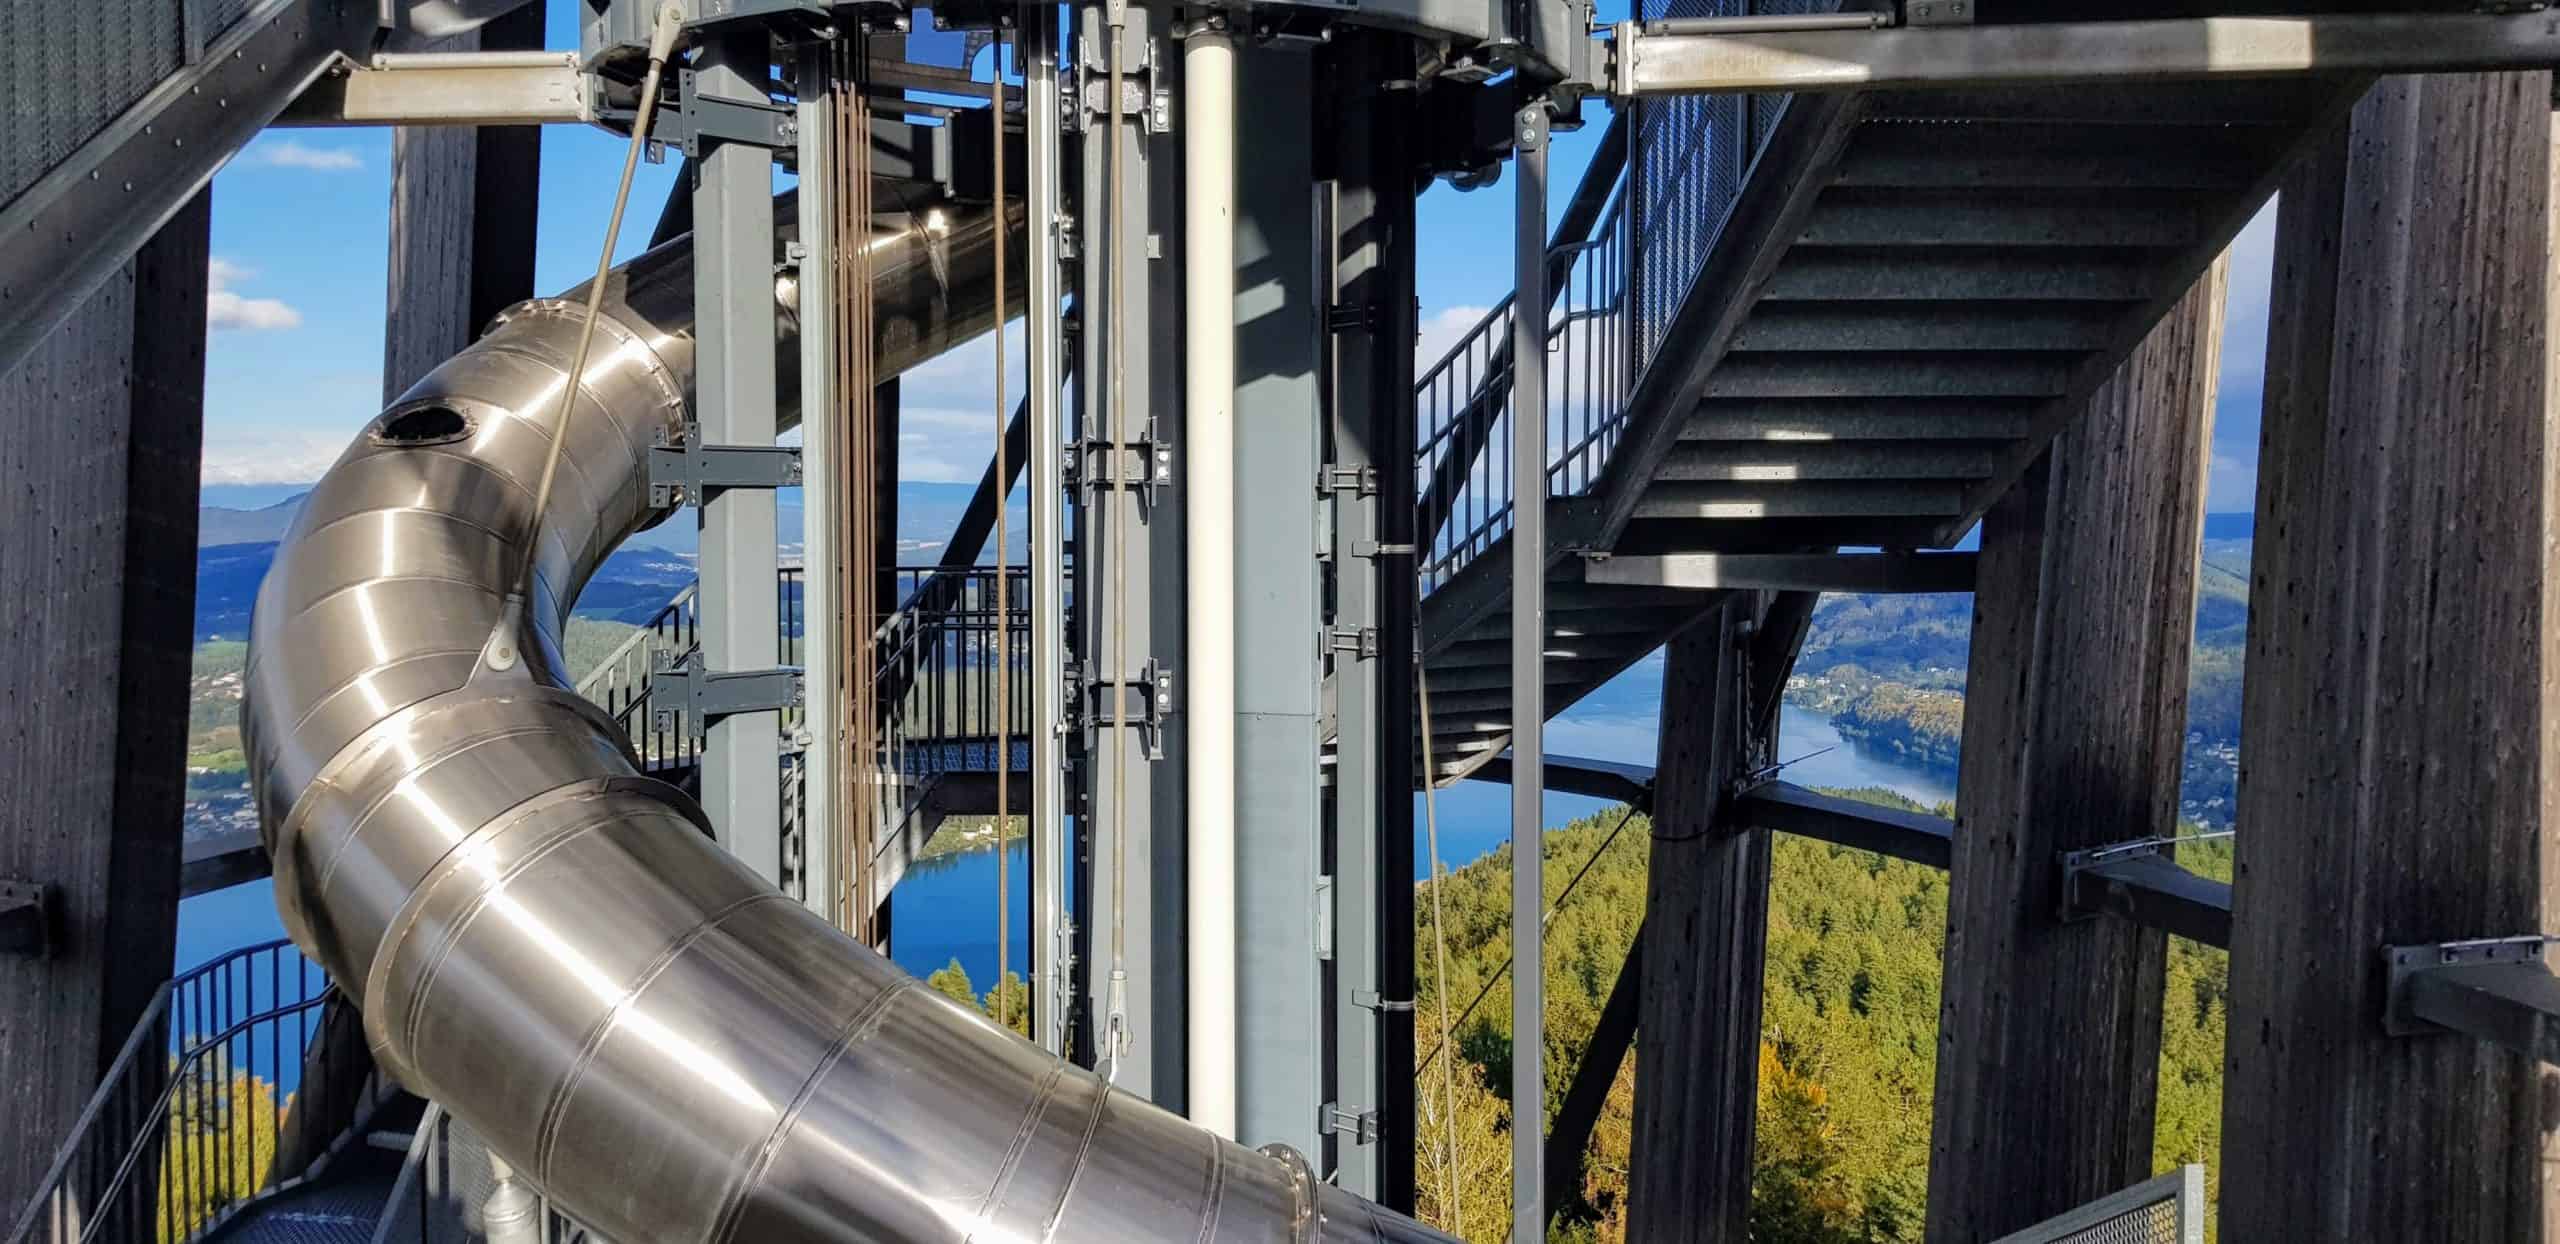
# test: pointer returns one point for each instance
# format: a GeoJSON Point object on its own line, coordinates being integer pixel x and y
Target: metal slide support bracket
{"type": "Point", "coordinates": [2499, 990]}
{"type": "Point", "coordinates": [26, 919]}
{"type": "Point", "coordinates": [705, 696]}
{"type": "Point", "coordinates": [1145, 467]}
{"type": "Point", "coordinates": [687, 472]}
{"type": "Point", "coordinates": [1150, 699]}
{"type": "Point", "coordinates": [696, 122]}
{"type": "Point", "coordinates": [2136, 881]}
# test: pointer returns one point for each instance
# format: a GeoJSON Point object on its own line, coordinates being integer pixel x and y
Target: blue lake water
{"type": "Point", "coordinates": [946, 909]}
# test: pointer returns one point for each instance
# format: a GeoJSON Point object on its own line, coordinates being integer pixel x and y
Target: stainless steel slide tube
{"type": "Point", "coordinates": [550, 945]}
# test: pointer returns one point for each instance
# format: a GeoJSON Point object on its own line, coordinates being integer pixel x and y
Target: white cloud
{"type": "Point", "coordinates": [253, 457]}
{"type": "Point", "coordinates": [291, 153]}
{"type": "Point", "coordinates": [1442, 329]}
{"type": "Point", "coordinates": [227, 309]}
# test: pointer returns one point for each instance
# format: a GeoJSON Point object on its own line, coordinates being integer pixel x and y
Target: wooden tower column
{"type": "Point", "coordinates": [97, 571]}
{"type": "Point", "coordinates": [2075, 709]}
{"type": "Point", "coordinates": [1706, 929]}
{"type": "Point", "coordinates": [2398, 746]}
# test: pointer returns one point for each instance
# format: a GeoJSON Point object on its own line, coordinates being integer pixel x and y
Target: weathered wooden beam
{"type": "Point", "coordinates": [462, 222]}
{"type": "Point", "coordinates": [2396, 785]}
{"type": "Point", "coordinates": [2075, 714]}
{"type": "Point", "coordinates": [1569, 1133]}
{"type": "Point", "coordinates": [97, 566]}
{"type": "Point", "coordinates": [1706, 922]}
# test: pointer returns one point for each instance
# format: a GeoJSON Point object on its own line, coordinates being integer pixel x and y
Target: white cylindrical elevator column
{"type": "Point", "coordinates": [1208, 413]}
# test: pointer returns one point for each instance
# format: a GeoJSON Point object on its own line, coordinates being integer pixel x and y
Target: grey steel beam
{"type": "Point", "coordinates": [2499, 990]}
{"type": "Point", "coordinates": [2077, 52]}
{"type": "Point", "coordinates": [825, 704]}
{"type": "Point", "coordinates": [1790, 572]}
{"type": "Point", "coordinates": [1627, 783]}
{"type": "Point", "coordinates": [219, 861]}
{"type": "Point", "coordinates": [1129, 595]}
{"type": "Point", "coordinates": [78, 222]}
{"type": "Point", "coordinates": [733, 284]}
{"type": "Point", "coordinates": [436, 88]}
{"type": "Point", "coordinates": [1528, 658]}
{"type": "Point", "coordinates": [2149, 889]}
{"type": "Point", "coordinates": [1785, 807]}
{"type": "Point", "coordinates": [1277, 615]}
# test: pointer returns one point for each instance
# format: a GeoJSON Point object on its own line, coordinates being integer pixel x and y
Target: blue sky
{"type": "Point", "coordinates": [300, 232]}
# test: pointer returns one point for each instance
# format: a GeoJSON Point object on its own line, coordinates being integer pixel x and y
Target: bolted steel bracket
{"type": "Point", "coordinates": [687, 471]}
{"type": "Point", "coordinates": [1360, 1125]}
{"type": "Point", "coordinates": [699, 122]}
{"type": "Point", "coordinates": [26, 919]}
{"type": "Point", "coordinates": [1149, 701]}
{"type": "Point", "coordinates": [704, 696]}
{"type": "Point", "coordinates": [1141, 465]}
{"type": "Point", "coordinates": [1937, 12]}
{"type": "Point", "coordinates": [1357, 480]}
{"type": "Point", "coordinates": [2491, 971]}
{"type": "Point", "coordinates": [1360, 642]}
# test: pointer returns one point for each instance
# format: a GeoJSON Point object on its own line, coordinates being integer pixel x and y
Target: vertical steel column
{"type": "Point", "coordinates": [734, 394]}
{"type": "Point", "coordinates": [1129, 571]}
{"type": "Point", "coordinates": [1044, 337]}
{"type": "Point", "coordinates": [1277, 611]}
{"type": "Point", "coordinates": [1528, 679]}
{"type": "Point", "coordinates": [1211, 509]}
{"type": "Point", "coordinates": [1370, 237]}
{"type": "Point", "coordinates": [823, 699]}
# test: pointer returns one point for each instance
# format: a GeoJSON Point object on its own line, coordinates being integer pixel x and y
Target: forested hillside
{"type": "Point", "coordinates": [1848, 1062]}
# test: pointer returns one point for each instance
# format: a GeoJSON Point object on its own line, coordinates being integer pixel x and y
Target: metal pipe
{"type": "Point", "coordinates": [1044, 342]}
{"type": "Point", "coordinates": [2082, 53]}
{"type": "Point", "coordinates": [1528, 662]}
{"type": "Point", "coordinates": [1209, 421]}
{"type": "Point", "coordinates": [548, 943]}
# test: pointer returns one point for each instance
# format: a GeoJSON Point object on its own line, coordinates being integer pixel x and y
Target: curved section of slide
{"type": "Point", "coordinates": [549, 943]}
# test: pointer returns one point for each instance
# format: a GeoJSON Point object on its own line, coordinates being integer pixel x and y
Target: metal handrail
{"type": "Point", "coordinates": [169, 1150]}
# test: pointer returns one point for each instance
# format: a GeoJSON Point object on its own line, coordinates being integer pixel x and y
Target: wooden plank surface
{"type": "Point", "coordinates": [97, 580]}
{"type": "Point", "coordinates": [1706, 929]}
{"type": "Point", "coordinates": [2075, 709]}
{"type": "Point", "coordinates": [2395, 785]}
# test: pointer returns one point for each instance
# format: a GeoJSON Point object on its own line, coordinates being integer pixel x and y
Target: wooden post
{"type": "Point", "coordinates": [2395, 777]}
{"type": "Point", "coordinates": [97, 578]}
{"type": "Point", "coordinates": [462, 222]}
{"type": "Point", "coordinates": [2075, 709]}
{"type": "Point", "coordinates": [1706, 927]}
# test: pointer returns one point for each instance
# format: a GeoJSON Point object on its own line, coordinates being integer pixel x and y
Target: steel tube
{"type": "Point", "coordinates": [1209, 420]}
{"type": "Point", "coordinates": [1528, 663]}
{"type": "Point", "coordinates": [2077, 52]}
{"type": "Point", "coordinates": [548, 943]}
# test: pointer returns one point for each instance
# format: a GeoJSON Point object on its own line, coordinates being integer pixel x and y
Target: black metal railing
{"type": "Point", "coordinates": [939, 661]}
{"type": "Point", "coordinates": [1463, 402]}
{"type": "Point", "coordinates": [225, 1092]}
{"type": "Point", "coordinates": [1669, 171]}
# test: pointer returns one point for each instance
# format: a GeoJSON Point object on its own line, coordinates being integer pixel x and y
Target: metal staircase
{"type": "Point", "coordinates": [1899, 304]}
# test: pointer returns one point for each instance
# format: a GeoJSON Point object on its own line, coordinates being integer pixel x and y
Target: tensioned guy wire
{"type": "Point", "coordinates": [500, 652]}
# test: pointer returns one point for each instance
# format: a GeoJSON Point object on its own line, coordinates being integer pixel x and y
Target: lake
{"type": "Point", "coordinates": [945, 909]}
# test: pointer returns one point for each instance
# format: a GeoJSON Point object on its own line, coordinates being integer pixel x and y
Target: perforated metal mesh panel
{"type": "Point", "coordinates": [1689, 160]}
{"type": "Point", "coordinates": [75, 65]}
{"type": "Point", "coordinates": [2152, 1224]}
{"type": "Point", "coordinates": [2165, 1210]}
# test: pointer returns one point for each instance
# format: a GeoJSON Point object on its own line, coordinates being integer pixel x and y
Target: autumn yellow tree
{"type": "Point", "coordinates": [221, 1142]}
